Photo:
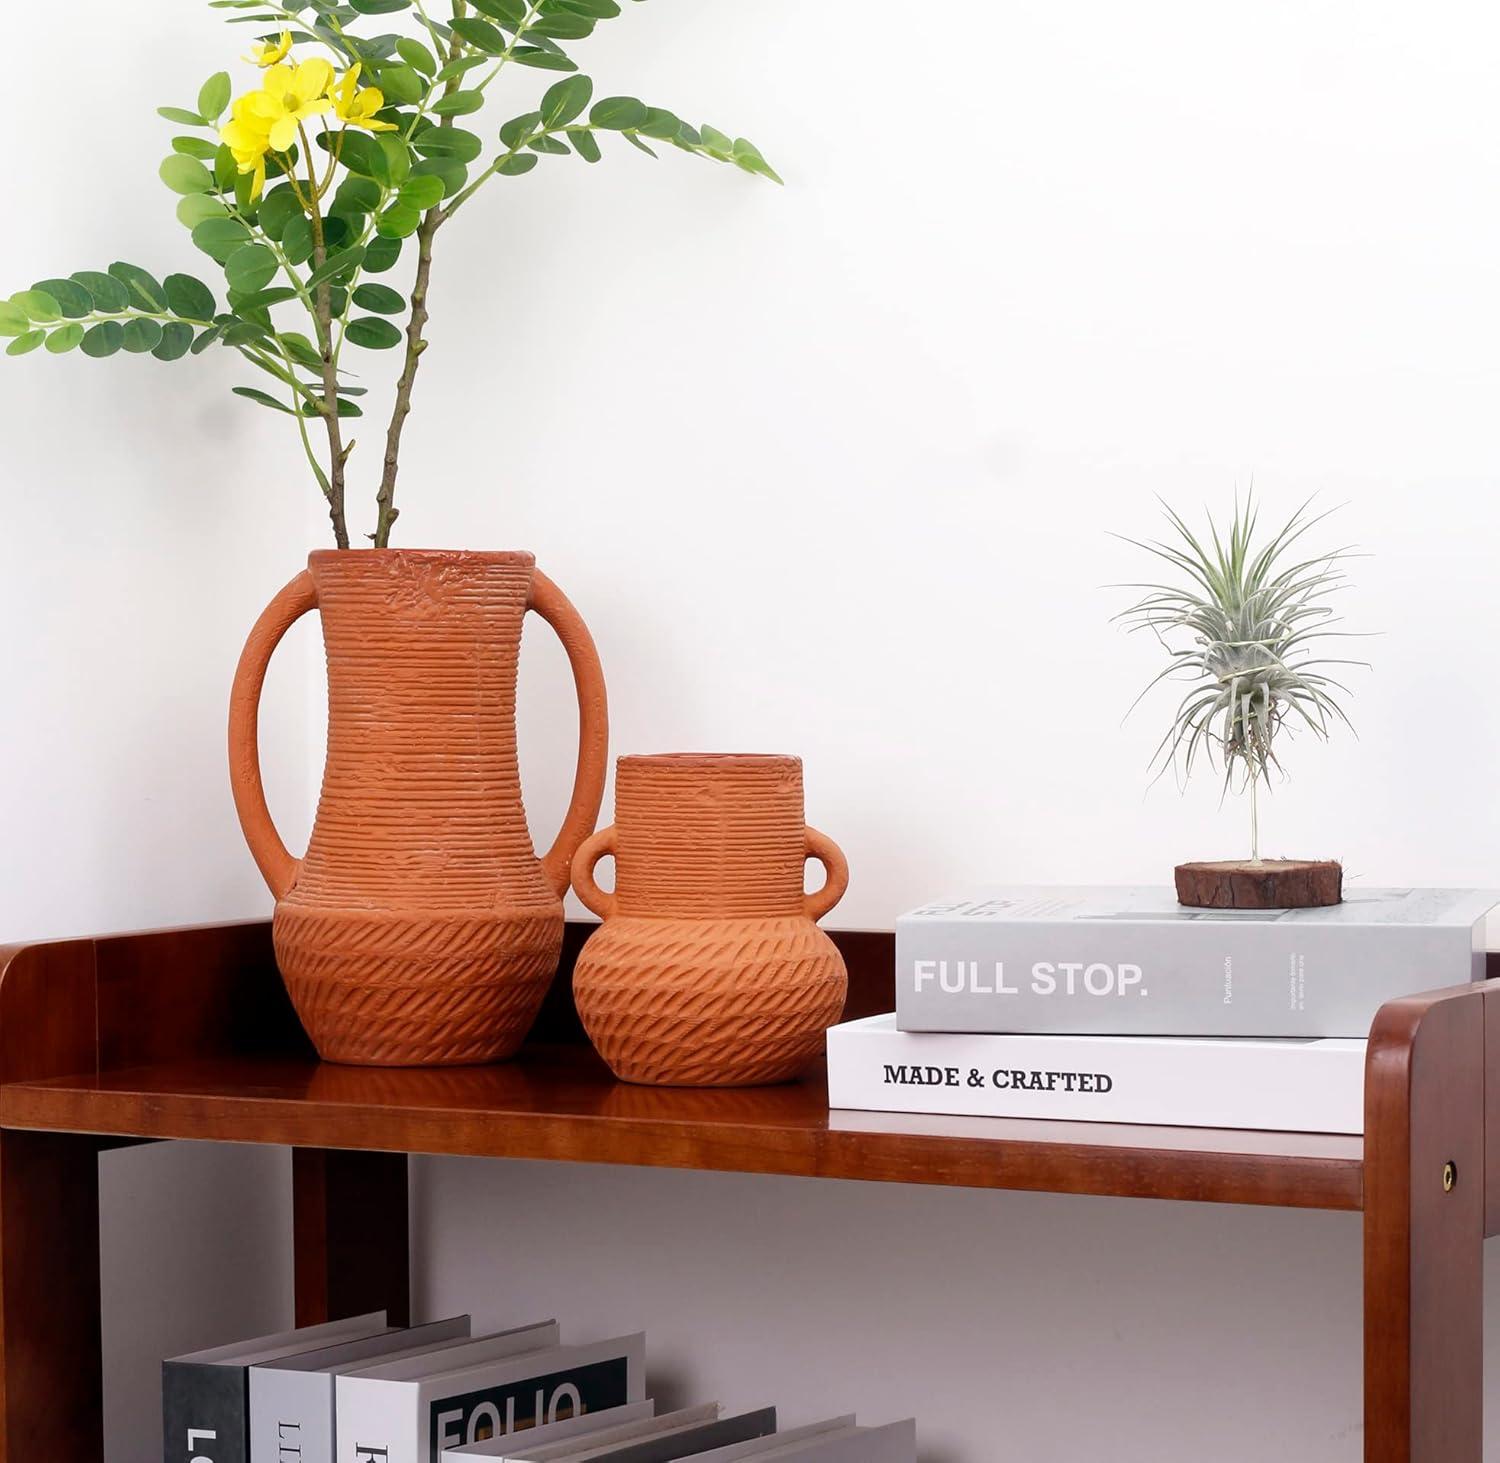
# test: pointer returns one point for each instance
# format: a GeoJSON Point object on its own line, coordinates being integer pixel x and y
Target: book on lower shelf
{"type": "Point", "coordinates": [409, 1411]}
{"type": "Point", "coordinates": [584, 1431]}
{"type": "Point", "coordinates": [1284, 1084]}
{"type": "Point", "coordinates": [1133, 961]}
{"type": "Point", "coordinates": [206, 1394]}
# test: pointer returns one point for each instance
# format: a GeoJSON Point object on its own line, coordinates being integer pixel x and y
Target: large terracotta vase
{"type": "Point", "coordinates": [420, 928]}
{"type": "Point", "coordinates": [709, 970]}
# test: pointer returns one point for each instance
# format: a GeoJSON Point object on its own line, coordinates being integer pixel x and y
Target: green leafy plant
{"type": "Point", "coordinates": [338, 167]}
{"type": "Point", "coordinates": [1243, 626]}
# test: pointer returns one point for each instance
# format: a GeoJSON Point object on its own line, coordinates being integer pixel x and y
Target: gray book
{"type": "Point", "coordinates": [672, 1443]}
{"type": "Point", "coordinates": [1134, 962]}
{"type": "Point", "coordinates": [205, 1396]}
{"type": "Point", "coordinates": [838, 1440]}
{"type": "Point", "coordinates": [292, 1397]}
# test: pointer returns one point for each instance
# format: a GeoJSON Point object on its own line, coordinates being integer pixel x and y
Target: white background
{"type": "Point", "coordinates": [829, 469]}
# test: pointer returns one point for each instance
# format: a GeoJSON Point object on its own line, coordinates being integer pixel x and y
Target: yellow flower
{"type": "Point", "coordinates": [271, 53]}
{"type": "Point", "coordinates": [356, 108]}
{"type": "Point", "coordinates": [248, 136]}
{"type": "Point", "coordinates": [288, 98]}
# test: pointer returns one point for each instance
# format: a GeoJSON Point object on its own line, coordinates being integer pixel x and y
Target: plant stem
{"type": "Point", "coordinates": [385, 498]}
{"type": "Point", "coordinates": [338, 454]}
{"type": "Point", "coordinates": [1254, 817]}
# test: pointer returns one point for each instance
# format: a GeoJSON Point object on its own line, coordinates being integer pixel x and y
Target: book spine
{"type": "Point", "coordinates": [1150, 978]}
{"type": "Point", "coordinates": [1286, 1086]}
{"type": "Point", "coordinates": [291, 1416]}
{"type": "Point", "coordinates": [375, 1421]}
{"type": "Point", "coordinates": [205, 1413]}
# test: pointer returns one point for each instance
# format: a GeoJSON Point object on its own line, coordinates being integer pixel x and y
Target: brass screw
{"type": "Point", "coordinates": [1450, 1176]}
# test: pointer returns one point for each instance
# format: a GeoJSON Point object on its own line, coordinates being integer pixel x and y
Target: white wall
{"type": "Point", "coordinates": [831, 469]}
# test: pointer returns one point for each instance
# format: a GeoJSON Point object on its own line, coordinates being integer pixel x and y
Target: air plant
{"type": "Point", "coordinates": [1244, 628]}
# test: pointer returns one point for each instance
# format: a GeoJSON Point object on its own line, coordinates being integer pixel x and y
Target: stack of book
{"type": "Point", "coordinates": [360, 1391]}
{"type": "Point", "coordinates": [1121, 1005]}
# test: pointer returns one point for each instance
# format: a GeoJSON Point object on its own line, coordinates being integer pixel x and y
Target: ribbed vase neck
{"type": "Point", "coordinates": [705, 837]}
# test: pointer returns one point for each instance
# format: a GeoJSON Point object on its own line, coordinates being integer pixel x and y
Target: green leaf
{"type": "Point", "coordinates": [251, 393]}
{"type": "Point", "coordinates": [141, 336]}
{"type": "Point", "coordinates": [561, 26]}
{"type": "Point", "coordinates": [183, 174]}
{"type": "Point", "coordinates": [72, 299]}
{"type": "Point", "coordinates": [451, 142]}
{"type": "Point", "coordinates": [746, 155]}
{"type": "Point", "coordinates": [373, 334]}
{"type": "Point", "coordinates": [297, 240]}
{"type": "Point", "coordinates": [640, 146]}
{"type": "Point", "coordinates": [206, 339]}
{"type": "Point", "coordinates": [301, 350]}
{"type": "Point", "coordinates": [226, 171]}
{"type": "Point", "coordinates": [399, 221]}
{"type": "Point", "coordinates": [336, 266]}
{"type": "Point", "coordinates": [549, 145]}
{"type": "Point", "coordinates": [481, 35]}
{"type": "Point", "coordinates": [251, 267]}
{"type": "Point", "coordinates": [716, 144]}
{"type": "Point", "coordinates": [280, 206]}
{"type": "Point", "coordinates": [108, 294]}
{"type": "Point", "coordinates": [421, 193]}
{"type": "Point", "coordinates": [453, 175]}
{"type": "Point", "coordinates": [356, 197]}
{"type": "Point", "coordinates": [417, 56]}
{"type": "Point", "coordinates": [518, 129]}
{"type": "Point", "coordinates": [510, 13]}
{"type": "Point", "coordinates": [215, 96]}
{"type": "Point", "coordinates": [382, 299]}
{"type": "Point", "coordinates": [38, 305]}
{"type": "Point", "coordinates": [380, 7]}
{"type": "Point", "coordinates": [197, 147]}
{"type": "Point", "coordinates": [660, 123]}
{"type": "Point", "coordinates": [397, 157]}
{"type": "Point", "coordinates": [599, 9]}
{"type": "Point", "coordinates": [402, 85]}
{"type": "Point", "coordinates": [181, 116]}
{"type": "Point", "coordinates": [189, 297]}
{"type": "Point", "coordinates": [220, 237]}
{"type": "Point", "coordinates": [196, 207]}
{"type": "Point", "coordinates": [543, 60]}
{"type": "Point", "coordinates": [259, 302]}
{"type": "Point", "coordinates": [461, 67]}
{"type": "Point", "coordinates": [64, 339]}
{"type": "Point", "coordinates": [104, 339]}
{"type": "Point", "coordinates": [566, 100]}
{"type": "Point", "coordinates": [458, 104]}
{"type": "Point", "coordinates": [363, 155]}
{"type": "Point", "coordinates": [586, 145]}
{"type": "Point", "coordinates": [382, 255]}
{"type": "Point", "coordinates": [176, 340]}
{"type": "Point", "coordinates": [23, 345]}
{"type": "Point", "coordinates": [146, 293]}
{"type": "Point", "coordinates": [13, 319]}
{"type": "Point", "coordinates": [618, 113]}
{"type": "Point", "coordinates": [345, 409]}
{"type": "Point", "coordinates": [513, 167]}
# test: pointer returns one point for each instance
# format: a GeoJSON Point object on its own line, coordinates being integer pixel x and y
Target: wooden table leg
{"type": "Point", "coordinates": [351, 1238]}
{"type": "Point", "coordinates": [1424, 1231]}
{"type": "Point", "coordinates": [51, 1372]}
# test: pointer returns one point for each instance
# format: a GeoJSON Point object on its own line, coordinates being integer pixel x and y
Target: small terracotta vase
{"type": "Point", "coordinates": [709, 970]}
{"type": "Point", "coordinates": [420, 928]}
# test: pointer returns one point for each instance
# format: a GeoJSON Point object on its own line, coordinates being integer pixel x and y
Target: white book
{"type": "Point", "coordinates": [1282, 1084]}
{"type": "Point", "coordinates": [532, 1448]}
{"type": "Point", "coordinates": [570, 1429]}
{"type": "Point", "coordinates": [670, 1444]}
{"type": "Point", "coordinates": [405, 1412]}
{"type": "Point", "coordinates": [292, 1398]}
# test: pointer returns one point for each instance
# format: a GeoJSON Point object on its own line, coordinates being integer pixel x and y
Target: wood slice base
{"type": "Point", "coordinates": [1261, 884]}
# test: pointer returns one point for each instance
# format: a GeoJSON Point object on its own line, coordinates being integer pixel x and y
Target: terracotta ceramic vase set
{"type": "Point", "coordinates": [421, 928]}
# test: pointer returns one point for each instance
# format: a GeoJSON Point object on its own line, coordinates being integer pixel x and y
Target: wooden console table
{"type": "Point", "coordinates": [188, 1034]}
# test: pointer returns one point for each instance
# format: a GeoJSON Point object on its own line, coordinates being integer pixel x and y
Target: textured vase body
{"type": "Point", "coordinates": [421, 928]}
{"type": "Point", "coordinates": [709, 969]}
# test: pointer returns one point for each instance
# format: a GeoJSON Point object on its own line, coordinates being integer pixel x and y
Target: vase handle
{"type": "Point", "coordinates": [821, 847]}
{"type": "Point", "coordinates": [593, 727]}
{"type": "Point", "coordinates": [600, 846]}
{"type": "Point", "coordinates": [278, 868]}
